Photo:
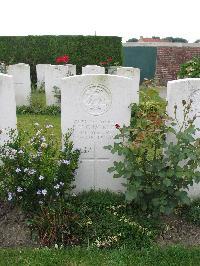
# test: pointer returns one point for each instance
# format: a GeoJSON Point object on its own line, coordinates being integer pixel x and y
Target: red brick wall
{"type": "Point", "coordinates": [169, 60]}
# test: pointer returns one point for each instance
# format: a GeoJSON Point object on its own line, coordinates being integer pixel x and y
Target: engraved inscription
{"type": "Point", "coordinates": [93, 130]}
{"type": "Point", "coordinates": [91, 136]}
{"type": "Point", "coordinates": [96, 99]}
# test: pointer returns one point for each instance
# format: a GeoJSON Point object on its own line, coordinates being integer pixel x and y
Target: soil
{"type": "Point", "coordinates": [14, 231]}
{"type": "Point", "coordinates": [179, 231]}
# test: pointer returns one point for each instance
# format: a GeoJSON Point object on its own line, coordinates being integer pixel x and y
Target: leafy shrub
{"type": "Point", "coordinates": [34, 173]}
{"type": "Point", "coordinates": [156, 171]}
{"type": "Point", "coordinates": [99, 219]}
{"type": "Point", "coordinates": [192, 212]}
{"type": "Point", "coordinates": [82, 50]}
{"type": "Point", "coordinates": [190, 69]}
{"type": "Point", "coordinates": [56, 225]}
{"type": "Point", "coordinates": [46, 110]}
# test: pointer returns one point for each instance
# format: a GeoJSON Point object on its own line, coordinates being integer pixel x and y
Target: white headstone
{"type": "Point", "coordinates": [53, 76]}
{"type": "Point", "coordinates": [40, 70]}
{"type": "Point", "coordinates": [22, 82]}
{"type": "Point", "coordinates": [92, 105]}
{"type": "Point", "coordinates": [93, 69]}
{"type": "Point", "coordinates": [7, 106]}
{"type": "Point", "coordinates": [129, 72]}
{"type": "Point", "coordinates": [177, 91]}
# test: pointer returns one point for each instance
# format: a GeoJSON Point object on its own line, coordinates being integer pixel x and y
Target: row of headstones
{"type": "Point", "coordinates": [49, 78]}
{"type": "Point", "coordinates": [92, 105]}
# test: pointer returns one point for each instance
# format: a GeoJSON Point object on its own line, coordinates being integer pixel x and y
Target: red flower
{"type": "Point", "coordinates": [117, 126]}
{"type": "Point", "coordinates": [62, 59]}
{"type": "Point", "coordinates": [110, 59]}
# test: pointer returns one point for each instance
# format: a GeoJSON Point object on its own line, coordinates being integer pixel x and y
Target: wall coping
{"type": "Point", "coordinates": [160, 44]}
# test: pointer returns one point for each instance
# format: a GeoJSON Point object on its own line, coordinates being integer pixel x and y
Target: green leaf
{"type": "Point", "coordinates": [131, 195]}
{"type": "Point", "coordinates": [167, 182]}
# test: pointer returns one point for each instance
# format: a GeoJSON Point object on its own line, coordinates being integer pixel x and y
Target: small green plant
{"type": "Point", "coordinates": [192, 212]}
{"type": "Point", "coordinates": [157, 171]}
{"type": "Point", "coordinates": [94, 219]}
{"type": "Point", "coordinates": [190, 69]}
{"type": "Point", "coordinates": [56, 224]}
{"type": "Point", "coordinates": [33, 172]}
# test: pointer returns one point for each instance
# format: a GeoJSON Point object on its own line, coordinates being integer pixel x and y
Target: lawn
{"type": "Point", "coordinates": [176, 255]}
{"type": "Point", "coordinates": [26, 122]}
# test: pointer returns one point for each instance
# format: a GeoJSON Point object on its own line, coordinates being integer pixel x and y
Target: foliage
{"type": "Point", "coordinates": [176, 39]}
{"type": "Point", "coordinates": [197, 41]}
{"type": "Point", "coordinates": [82, 50]}
{"type": "Point", "coordinates": [34, 173]}
{"type": "Point", "coordinates": [156, 170]}
{"type": "Point", "coordinates": [56, 224]}
{"type": "Point", "coordinates": [46, 110]}
{"type": "Point", "coordinates": [192, 212]}
{"type": "Point", "coordinates": [98, 219]}
{"type": "Point", "coordinates": [190, 69]}
{"type": "Point", "coordinates": [133, 40]}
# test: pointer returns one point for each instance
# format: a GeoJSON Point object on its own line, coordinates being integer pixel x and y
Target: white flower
{"type": "Point", "coordinates": [19, 189]}
{"type": "Point", "coordinates": [18, 170]}
{"type": "Point", "coordinates": [39, 153]}
{"type": "Point", "coordinates": [44, 192]}
{"type": "Point", "coordinates": [56, 246]}
{"type": "Point", "coordinates": [61, 183]}
{"type": "Point", "coordinates": [39, 192]}
{"type": "Point", "coordinates": [41, 177]}
{"type": "Point", "coordinates": [49, 126]}
{"type": "Point", "coordinates": [57, 186]}
{"type": "Point", "coordinates": [57, 193]}
{"type": "Point", "coordinates": [36, 124]}
{"type": "Point", "coordinates": [40, 202]}
{"type": "Point", "coordinates": [31, 171]}
{"type": "Point", "coordinates": [44, 145]}
{"type": "Point", "coordinates": [73, 195]}
{"type": "Point", "coordinates": [65, 161]}
{"type": "Point", "coordinates": [38, 132]}
{"type": "Point", "coordinates": [43, 139]}
{"type": "Point", "coordinates": [10, 196]}
{"type": "Point", "coordinates": [26, 170]}
{"type": "Point", "coordinates": [20, 152]}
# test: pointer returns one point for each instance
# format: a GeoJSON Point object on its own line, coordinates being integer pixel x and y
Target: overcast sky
{"type": "Point", "coordinates": [125, 18]}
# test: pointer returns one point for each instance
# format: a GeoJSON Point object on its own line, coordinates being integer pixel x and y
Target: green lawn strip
{"type": "Point", "coordinates": [25, 122]}
{"type": "Point", "coordinates": [176, 255]}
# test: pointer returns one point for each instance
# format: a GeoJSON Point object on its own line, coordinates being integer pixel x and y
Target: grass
{"type": "Point", "coordinates": [26, 122]}
{"type": "Point", "coordinates": [176, 255]}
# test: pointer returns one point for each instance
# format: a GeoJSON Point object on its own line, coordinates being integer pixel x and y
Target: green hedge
{"type": "Point", "coordinates": [82, 50]}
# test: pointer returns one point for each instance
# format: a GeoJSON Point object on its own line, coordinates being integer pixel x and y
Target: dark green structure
{"type": "Point", "coordinates": [141, 57]}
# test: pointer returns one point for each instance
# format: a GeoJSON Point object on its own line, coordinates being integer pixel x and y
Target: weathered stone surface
{"type": "Point", "coordinates": [91, 105]}
{"type": "Point", "coordinates": [7, 106]}
{"type": "Point", "coordinates": [177, 91]}
{"type": "Point", "coordinates": [93, 69]}
{"type": "Point", "coordinates": [53, 76]}
{"type": "Point", "coordinates": [22, 82]}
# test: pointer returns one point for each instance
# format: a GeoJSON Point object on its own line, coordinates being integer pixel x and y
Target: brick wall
{"type": "Point", "coordinates": [169, 60]}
